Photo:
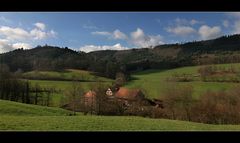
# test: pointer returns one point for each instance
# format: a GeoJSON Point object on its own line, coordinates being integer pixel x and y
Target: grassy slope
{"type": "Point", "coordinates": [154, 81]}
{"type": "Point", "coordinates": [63, 85]}
{"type": "Point", "coordinates": [67, 74]}
{"type": "Point", "coordinates": [19, 109]}
{"type": "Point", "coordinates": [93, 123]}
{"type": "Point", "coordinates": [18, 116]}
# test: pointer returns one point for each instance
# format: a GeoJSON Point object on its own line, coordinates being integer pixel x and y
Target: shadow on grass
{"type": "Point", "coordinates": [150, 71]}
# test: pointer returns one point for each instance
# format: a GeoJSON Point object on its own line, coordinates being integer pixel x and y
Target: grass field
{"type": "Point", "coordinates": [59, 81]}
{"type": "Point", "coordinates": [18, 116]}
{"type": "Point", "coordinates": [10, 108]}
{"type": "Point", "coordinates": [61, 87]}
{"type": "Point", "coordinates": [68, 74]}
{"type": "Point", "coordinates": [153, 82]}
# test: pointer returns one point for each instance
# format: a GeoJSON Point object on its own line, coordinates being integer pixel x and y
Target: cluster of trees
{"type": "Point", "coordinates": [212, 107]}
{"type": "Point", "coordinates": [11, 88]}
{"type": "Point", "coordinates": [98, 103]}
{"type": "Point", "coordinates": [180, 77]}
{"type": "Point", "coordinates": [218, 107]}
{"type": "Point", "coordinates": [219, 73]}
{"type": "Point", "coordinates": [14, 89]}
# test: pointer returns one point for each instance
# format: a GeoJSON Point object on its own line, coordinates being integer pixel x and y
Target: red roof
{"type": "Point", "coordinates": [90, 93]}
{"type": "Point", "coordinates": [128, 93]}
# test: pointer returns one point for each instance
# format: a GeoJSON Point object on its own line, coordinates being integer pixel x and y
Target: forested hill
{"type": "Point", "coordinates": [225, 49]}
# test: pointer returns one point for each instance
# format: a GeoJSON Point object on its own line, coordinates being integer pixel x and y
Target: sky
{"type": "Point", "coordinates": [91, 31]}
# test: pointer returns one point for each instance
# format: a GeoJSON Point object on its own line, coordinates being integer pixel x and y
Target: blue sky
{"type": "Point", "coordinates": [99, 31]}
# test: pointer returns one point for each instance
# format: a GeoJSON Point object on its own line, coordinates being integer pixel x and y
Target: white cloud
{"type": "Point", "coordinates": [139, 39]}
{"type": "Point", "coordinates": [21, 45]}
{"type": "Point", "coordinates": [234, 22]}
{"type": "Point", "coordinates": [181, 30]}
{"type": "Point", "coordinates": [182, 22]}
{"type": "Point", "coordinates": [193, 22]}
{"type": "Point", "coordinates": [5, 46]}
{"type": "Point", "coordinates": [37, 33]}
{"type": "Point", "coordinates": [14, 33]}
{"type": "Point", "coordinates": [5, 20]}
{"type": "Point", "coordinates": [225, 23]}
{"type": "Point", "coordinates": [236, 27]}
{"type": "Point", "coordinates": [207, 32]}
{"type": "Point", "coordinates": [89, 48]}
{"type": "Point", "coordinates": [89, 25]}
{"type": "Point", "coordinates": [138, 34]}
{"type": "Point", "coordinates": [40, 25]}
{"type": "Point", "coordinates": [13, 38]}
{"type": "Point", "coordinates": [117, 34]}
{"type": "Point", "coordinates": [102, 33]}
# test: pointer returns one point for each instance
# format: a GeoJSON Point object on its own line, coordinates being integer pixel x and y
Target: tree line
{"type": "Point", "coordinates": [14, 89]}
{"type": "Point", "coordinates": [107, 63]}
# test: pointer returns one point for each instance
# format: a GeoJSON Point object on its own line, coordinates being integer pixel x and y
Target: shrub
{"type": "Point", "coordinates": [180, 77]}
{"type": "Point", "coordinates": [178, 102]}
{"type": "Point", "coordinates": [218, 107]}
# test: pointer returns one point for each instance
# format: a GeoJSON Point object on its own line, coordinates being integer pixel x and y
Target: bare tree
{"type": "Point", "coordinates": [120, 79]}
{"type": "Point", "coordinates": [74, 94]}
{"type": "Point", "coordinates": [178, 99]}
{"type": "Point", "coordinates": [100, 99]}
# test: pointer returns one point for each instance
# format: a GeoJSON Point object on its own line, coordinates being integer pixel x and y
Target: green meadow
{"type": "Point", "coordinates": [61, 81]}
{"type": "Point", "coordinates": [68, 74]}
{"type": "Point", "coordinates": [22, 117]}
{"type": "Point", "coordinates": [18, 116]}
{"type": "Point", "coordinates": [154, 82]}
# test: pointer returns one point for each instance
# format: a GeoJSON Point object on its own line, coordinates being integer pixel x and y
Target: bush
{"type": "Point", "coordinates": [218, 107]}
{"type": "Point", "coordinates": [181, 77]}
{"type": "Point", "coordinates": [178, 102]}
{"type": "Point", "coordinates": [138, 110]}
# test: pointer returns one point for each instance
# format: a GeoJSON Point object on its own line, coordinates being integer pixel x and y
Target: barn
{"type": "Point", "coordinates": [129, 94]}
{"type": "Point", "coordinates": [89, 98]}
{"type": "Point", "coordinates": [123, 95]}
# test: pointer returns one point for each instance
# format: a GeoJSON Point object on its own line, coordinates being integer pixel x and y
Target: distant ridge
{"type": "Point", "coordinates": [225, 49]}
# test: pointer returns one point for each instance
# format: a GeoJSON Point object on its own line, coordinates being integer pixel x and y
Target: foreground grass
{"type": "Point", "coordinates": [18, 116]}
{"type": "Point", "coordinates": [153, 82]}
{"type": "Point", "coordinates": [9, 108]}
{"type": "Point", "coordinates": [102, 123]}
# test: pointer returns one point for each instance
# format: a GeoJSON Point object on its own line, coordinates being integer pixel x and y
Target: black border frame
{"type": "Point", "coordinates": [120, 6]}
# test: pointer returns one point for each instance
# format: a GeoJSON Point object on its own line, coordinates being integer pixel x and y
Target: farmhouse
{"type": "Point", "coordinates": [109, 92]}
{"type": "Point", "coordinates": [129, 94]}
{"type": "Point", "coordinates": [89, 98]}
{"type": "Point", "coordinates": [123, 95]}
